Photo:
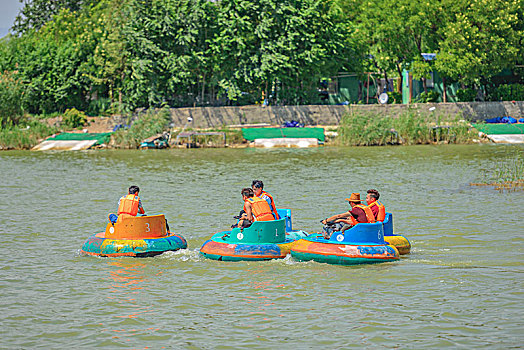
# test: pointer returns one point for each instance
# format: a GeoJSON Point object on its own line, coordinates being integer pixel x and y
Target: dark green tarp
{"type": "Point", "coordinates": [500, 129]}
{"type": "Point", "coordinates": [251, 134]}
{"type": "Point", "coordinates": [103, 137]}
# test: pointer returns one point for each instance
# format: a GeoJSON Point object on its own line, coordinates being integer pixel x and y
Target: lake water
{"type": "Point", "coordinates": [461, 286]}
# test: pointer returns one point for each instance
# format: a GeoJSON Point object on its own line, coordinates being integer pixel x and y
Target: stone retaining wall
{"type": "Point", "coordinates": [214, 117]}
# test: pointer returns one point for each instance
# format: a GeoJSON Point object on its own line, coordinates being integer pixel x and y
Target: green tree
{"type": "Point", "coordinates": [11, 95]}
{"type": "Point", "coordinates": [479, 39]}
{"type": "Point", "coordinates": [110, 57]}
{"type": "Point", "coordinates": [396, 33]}
{"type": "Point", "coordinates": [284, 46]}
{"type": "Point", "coordinates": [54, 62]}
{"type": "Point", "coordinates": [167, 45]}
{"type": "Point", "coordinates": [36, 13]}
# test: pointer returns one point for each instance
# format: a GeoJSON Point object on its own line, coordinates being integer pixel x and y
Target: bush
{"type": "Point", "coordinates": [25, 135]}
{"type": "Point", "coordinates": [362, 130]}
{"type": "Point", "coordinates": [11, 94]}
{"type": "Point", "coordinates": [394, 97]}
{"type": "Point", "coordinates": [74, 118]}
{"type": "Point", "coordinates": [149, 123]}
{"type": "Point", "coordinates": [426, 97]}
{"type": "Point", "coordinates": [507, 92]}
{"type": "Point", "coordinates": [408, 128]}
{"type": "Point", "coordinates": [466, 95]}
{"type": "Point", "coordinates": [505, 175]}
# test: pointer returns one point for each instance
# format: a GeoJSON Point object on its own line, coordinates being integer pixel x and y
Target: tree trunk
{"type": "Point", "coordinates": [120, 101]}
{"type": "Point", "coordinates": [266, 101]}
{"type": "Point", "coordinates": [203, 88]}
{"type": "Point", "coordinates": [367, 94]}
{"type": "Point", "coordinates": [386, 87]}
{"type": "Point", "coordinates": [401, 78]}
{"type": "Point", "coordinates": [444, 94]}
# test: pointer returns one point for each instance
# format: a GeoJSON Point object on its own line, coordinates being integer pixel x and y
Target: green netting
{"type": "Point", "coordinates": [102, 137]}
{"type": "Point", "coordinates": [500, 129]}
{"type": "Point", "coordinates": [271, 133]}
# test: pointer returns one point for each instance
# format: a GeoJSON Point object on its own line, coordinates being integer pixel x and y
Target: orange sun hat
{"type": "Point", "coordinates": [355, 197]}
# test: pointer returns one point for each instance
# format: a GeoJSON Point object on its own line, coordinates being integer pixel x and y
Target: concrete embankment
{"type": "Point", "coordinates": [312, 115]}
{"type": "Point", "coordinates": [213, 117]}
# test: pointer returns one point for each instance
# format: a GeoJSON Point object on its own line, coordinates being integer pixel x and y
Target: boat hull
{"type": "Point", "coordinates": [400, 242]}
{"type": "Point", "coordinates": [263, 240]}
{"type": "Point", "coordinates": [224, 251]}
{"type": "Point", "coordinates": [321, 250]}
{"type": "Point", "coordinates": [99, 245]}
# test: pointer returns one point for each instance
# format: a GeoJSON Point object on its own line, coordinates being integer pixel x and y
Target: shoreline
{"type": "Point", "coordinates": [353, 129]}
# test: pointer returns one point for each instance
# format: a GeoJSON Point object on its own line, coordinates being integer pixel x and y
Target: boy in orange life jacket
{"type": "Point", "coordinates": [256, 208]}
{"type": "Point", "coordinates": [258, 189]}
{"type": "Point", "coordinates": [378, 209]}
{"type": "Point", "coordinates": [130, 204]}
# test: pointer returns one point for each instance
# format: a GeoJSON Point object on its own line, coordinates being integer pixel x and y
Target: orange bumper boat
{"type": "Point", "coordinates": [140, 236]}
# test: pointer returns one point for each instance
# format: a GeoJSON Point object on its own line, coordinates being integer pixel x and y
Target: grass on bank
{"type": "Point", "coordinates": [233, 137]}
{"type": "Point", "coordinates": [25, 135]}
{"type": "Point", "coordinates": [408, 128]}
{"type": "Point", "coordinates": [506, 175]}
{"type": "Point", "coordinates": [149, 123]}
{"type": "Point", "coordinates": [152, 122]}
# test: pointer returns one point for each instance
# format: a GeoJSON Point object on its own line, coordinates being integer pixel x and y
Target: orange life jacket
{"type": "Point", "coordinates": [129, 205]}
{"type": "Point", "coordinates": [367, 210]}
{"type": "Point", "coordinates": [381, 215]}
{"type": "Point", "coordinates": [260, 209]}
{"type": "Point", "coordinates": [352, 221]}
{"type": "Point", "coordinates": [273, 207]}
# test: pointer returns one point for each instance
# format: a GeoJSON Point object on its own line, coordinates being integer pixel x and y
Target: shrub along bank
{"type": "Point", "coordinates": [408, 128]}
{"type": "Point", "coordinates": [153, 122]}
{"type": "Point", "coordinates": [355, 129]}
{"type": "Point", "coordinates": [148, 124]}
{"type": "Point", "coordinates": [25, 135]}
{"type": "Point", "coordinates": [27, 131]}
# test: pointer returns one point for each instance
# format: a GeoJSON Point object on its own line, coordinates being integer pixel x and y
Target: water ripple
{"type": "Point", "coordinates": [460, 287]}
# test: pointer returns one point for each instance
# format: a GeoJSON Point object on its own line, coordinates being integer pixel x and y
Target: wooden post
{"type": "Point", "coordinates": [367, 94]}
{"type": "Point", "coordinates": [444, 94]}
{"type": "Point", "coordinates": [410, 87]}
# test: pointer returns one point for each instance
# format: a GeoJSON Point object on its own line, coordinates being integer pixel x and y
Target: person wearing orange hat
{"type": "Point", "coordinates": [357, 214]}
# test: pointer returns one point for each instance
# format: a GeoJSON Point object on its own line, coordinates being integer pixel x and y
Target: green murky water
{"type": "Point", "coordinates": [462, 285]}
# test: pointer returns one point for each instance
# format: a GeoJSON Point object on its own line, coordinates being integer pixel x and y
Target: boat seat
{"type": "Point", "coordinates": [286, 214]}
{"type": "Point", "coordinates": [260, 232]}
{"type": "Point", "coordinates": [388, 225]}
{"type": "Point", "coordinates": [360, 234]}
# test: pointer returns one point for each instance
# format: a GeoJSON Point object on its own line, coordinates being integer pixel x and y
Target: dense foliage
{"type": "Point", "coordinates": [473, 39]}
{"type": "Point", "coordinates": [112, 56]}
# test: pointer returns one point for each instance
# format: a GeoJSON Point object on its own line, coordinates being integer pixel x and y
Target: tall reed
{"type": "Point", "coordinates": [149, 123]}
{"type": "Point", "coordinates": [408, 128]}
{"type": "Point", "coordinates": [232, 137]}
{"type": "Point", "coordinates": [506, 174]}
{"type": "Point", "coordinates": [24, 135]}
